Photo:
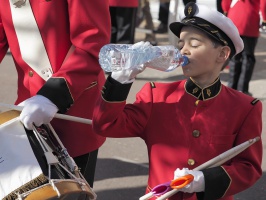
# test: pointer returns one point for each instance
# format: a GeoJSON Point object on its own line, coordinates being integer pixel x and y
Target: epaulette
{"type": "Point", "coordinates": [254, 101]}
{"type": "Point", "coordinates": [152, 85]}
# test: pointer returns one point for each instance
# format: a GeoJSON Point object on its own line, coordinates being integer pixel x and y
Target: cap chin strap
{"type": "Point", "coordinates": [30, 41]}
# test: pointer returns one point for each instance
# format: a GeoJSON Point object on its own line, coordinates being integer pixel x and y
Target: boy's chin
{"type": "Point", "coordinates": [187, 72]}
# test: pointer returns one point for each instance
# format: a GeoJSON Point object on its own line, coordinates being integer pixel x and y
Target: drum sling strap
{"type": "Point", "coordinates": [19, 169]}
{"type": "Point", "coordinates": [30, 41]}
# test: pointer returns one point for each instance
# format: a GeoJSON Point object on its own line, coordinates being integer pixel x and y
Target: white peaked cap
{"type": "Point", "coordinates": [212, 22]}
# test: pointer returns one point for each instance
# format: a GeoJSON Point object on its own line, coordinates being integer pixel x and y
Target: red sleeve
{"type": "Point", "coordinates": [118, 119]}
{"type": "Point", "coordinates": [3, 41]}
{"type": "Point", "coordinates": [90, 27]}
{"type": "Point", "coordinates": [250, 160]}
{"type": "Point", "coordinates": [226, 5]}
{"type": "Point", "coordinates": [124, 3]}
{"type": "Point", "coordinates": [263, 9]}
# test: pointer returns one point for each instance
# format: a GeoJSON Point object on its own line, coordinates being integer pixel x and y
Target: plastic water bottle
{"type": "Point", "coordinates": [115, 57]}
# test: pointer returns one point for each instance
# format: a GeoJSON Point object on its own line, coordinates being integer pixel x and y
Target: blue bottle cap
{"type": "Point", "coordinates": [185, 61]}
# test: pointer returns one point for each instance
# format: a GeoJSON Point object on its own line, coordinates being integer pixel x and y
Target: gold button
{"type": "Point", "coordinates": [197, 102]}
{"type": "Point", "coordinates": [31, 73]}
{"type": "Point", "coordinates": [191, 161]}
{"type": "Point", "coordinates": [196, 133]}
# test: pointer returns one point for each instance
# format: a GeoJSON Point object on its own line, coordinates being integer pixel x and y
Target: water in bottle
{"type": "Point", "coordinates": [115, 57]}
{"type": "Point", "coordinates": [170, 59]}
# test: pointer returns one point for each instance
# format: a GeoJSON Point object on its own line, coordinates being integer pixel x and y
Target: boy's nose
{"type": "Point", "coordinates": [184, 51]}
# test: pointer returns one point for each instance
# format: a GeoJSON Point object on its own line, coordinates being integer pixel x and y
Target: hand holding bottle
{"type": "Point", "coordinates": [134, 59]}
{"type": "Point", "coordinates": [128, 73]}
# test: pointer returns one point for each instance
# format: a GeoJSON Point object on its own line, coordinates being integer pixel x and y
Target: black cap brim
{"type": "Point", "coordinates": [176, 28]}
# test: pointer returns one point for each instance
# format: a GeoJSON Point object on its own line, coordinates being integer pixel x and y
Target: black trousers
{"type": "Point", "coordinates": [123, 20]}
{"type": "Point", "coordinates": [219, 6]}
{"type": "Point", "coordinates": [164, 11]}
{"type": "Point", "coordinates": [187, 1]}
{"type": "Point", "coordinates": [87, 165]}
{"type": "Point", "coordinates": [242, 65]}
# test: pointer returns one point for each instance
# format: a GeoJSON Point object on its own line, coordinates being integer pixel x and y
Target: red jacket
{"type": "Point", "coordinates": [77, 81]}
{"type": "Point", "coordinates": [124, 3]}
{"type": "Point", "coordinates": [181, 131]}
{"type": "Point", "coordinates": [245, 15]}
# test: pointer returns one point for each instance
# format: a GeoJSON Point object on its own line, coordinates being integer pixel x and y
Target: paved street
{"type": "Point", "coordinates": [123, 164]}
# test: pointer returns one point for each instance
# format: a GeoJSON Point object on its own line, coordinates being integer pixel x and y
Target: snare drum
{"type": "Point", "coordinates": [60, 178]}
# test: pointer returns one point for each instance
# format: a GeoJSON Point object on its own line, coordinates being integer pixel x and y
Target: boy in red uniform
{"type": "Point", "coordinates": [186, 123]}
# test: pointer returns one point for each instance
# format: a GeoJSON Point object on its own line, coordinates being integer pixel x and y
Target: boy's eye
{"type": "Point", "coordinates": [195, 43]}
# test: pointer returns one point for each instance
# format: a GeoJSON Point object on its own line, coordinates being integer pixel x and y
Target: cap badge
{"type": "Point", "coordinates": [190, 9]}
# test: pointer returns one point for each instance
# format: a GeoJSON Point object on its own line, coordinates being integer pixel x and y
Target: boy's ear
{"type": "Point", "coordinates": [224, 54]}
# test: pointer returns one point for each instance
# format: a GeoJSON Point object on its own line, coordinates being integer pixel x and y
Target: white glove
{"type": "Point", "coordinates": [197, 185]}
{"type": "Point", "coordinates": [128, 74]}
{"type": "Point", "coordinates": [38, 110]}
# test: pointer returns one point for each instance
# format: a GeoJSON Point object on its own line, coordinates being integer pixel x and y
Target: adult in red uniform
{"type": "Point", "coordinates": [76, 78]}
{"type": "Point", "coordinates": [123, 18]}
{"type": "Point", "coordinates": [246, 16]}
{"type": "Point", "coordinates": [186, 123]}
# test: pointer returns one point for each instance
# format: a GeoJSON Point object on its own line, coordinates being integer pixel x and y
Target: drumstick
{"type": "Point", "coordinates": [217, 161]}
{"type": "Point", "coordinates": [57, 115]}
{"type": "Point", "coordinates": [227, 155]}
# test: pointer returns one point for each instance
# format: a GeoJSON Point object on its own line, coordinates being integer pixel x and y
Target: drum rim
{"type": "Point", "coordinates": [54, 185]}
